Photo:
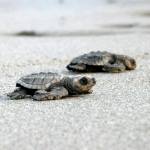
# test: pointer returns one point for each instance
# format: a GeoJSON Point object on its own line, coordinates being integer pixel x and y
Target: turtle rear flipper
{"type": "Point", "coordinates": [19, 93]}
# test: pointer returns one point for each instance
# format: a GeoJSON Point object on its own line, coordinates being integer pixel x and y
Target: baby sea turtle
{"type": "Point", "coordinates": [101, 62]}
{"type": "Point", "coordinates": [50, 86]}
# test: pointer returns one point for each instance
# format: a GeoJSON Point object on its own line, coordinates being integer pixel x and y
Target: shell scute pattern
{"type": "Point", "coordinates": [93, 58]}
{"type": "Point", "coordinates": [38, 80]}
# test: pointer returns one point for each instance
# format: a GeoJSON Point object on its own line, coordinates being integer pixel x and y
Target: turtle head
{"type": "Point", "coordinates": [130, 63]}
{"type": "Point", "coordinates": [81, 84]}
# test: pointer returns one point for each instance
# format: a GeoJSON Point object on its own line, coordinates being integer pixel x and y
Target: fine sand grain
{"type": "Point", "coordinates": [116, 116]}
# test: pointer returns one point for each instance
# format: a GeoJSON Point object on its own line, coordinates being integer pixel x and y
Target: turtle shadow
{"type": "Point", "coordinates": [71, 72]}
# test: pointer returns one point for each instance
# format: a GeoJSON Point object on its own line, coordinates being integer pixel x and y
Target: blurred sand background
{"type": "Point", "coordinates": [116, 115]}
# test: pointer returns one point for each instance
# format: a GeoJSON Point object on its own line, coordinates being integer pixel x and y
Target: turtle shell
{"type": "Point", "coordinates": [38, 81]}
{"type": "Point", "coordinates": [92, 59]}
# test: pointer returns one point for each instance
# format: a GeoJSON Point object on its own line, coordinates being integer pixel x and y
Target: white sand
{"type": "Point", "coordinates": [115, 116]}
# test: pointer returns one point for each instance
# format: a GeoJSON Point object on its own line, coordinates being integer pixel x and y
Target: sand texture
{"type": "Point", "coordinates": [116, 116]}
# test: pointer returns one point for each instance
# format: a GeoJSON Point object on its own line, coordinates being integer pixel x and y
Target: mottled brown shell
{"type": "Point", "coordinates": [93, 58]}
{"type": "Point", "coordinates": [39, 81]}
{"type": "Point", "coordinates": [90, 60]}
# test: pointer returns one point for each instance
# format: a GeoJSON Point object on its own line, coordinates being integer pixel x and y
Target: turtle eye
{"type": "Point", "coordinates": [83, 81]}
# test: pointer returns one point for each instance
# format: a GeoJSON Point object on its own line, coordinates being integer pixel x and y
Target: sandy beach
{"type": "Point", "coordinates": [115, 116]}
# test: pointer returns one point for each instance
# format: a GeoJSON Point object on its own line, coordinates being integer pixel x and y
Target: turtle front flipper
{"type": "Point", "coordinates": [114, 68]}
{"type": "Point", "coordinates": [18, 93]}
{"type": "Point", "coordinates": [76, 67]}
{"type": "Point", "coordinates": [55, 93]}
